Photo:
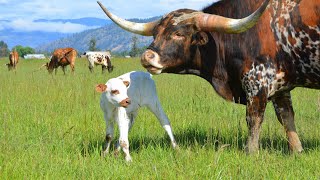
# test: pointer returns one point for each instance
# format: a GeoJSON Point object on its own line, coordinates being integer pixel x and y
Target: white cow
{"type": "Point", "coordinates": [120, 100]}
{"type": "Point", "coordinates": [102, 58]}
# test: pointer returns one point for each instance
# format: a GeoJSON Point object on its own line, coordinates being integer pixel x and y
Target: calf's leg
{"type": "Point", "coordinates": [109, 133]}
{"type": "Point", "coordinates": [157, 110]}
{"type": "Point", "coordinates": [124, 124]}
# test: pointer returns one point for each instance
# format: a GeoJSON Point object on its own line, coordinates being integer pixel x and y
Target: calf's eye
{"type": "Point", "coordinates": [114, 92]}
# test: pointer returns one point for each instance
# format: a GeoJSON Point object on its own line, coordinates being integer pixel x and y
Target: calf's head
{"type": "Point", "coordinates": [178, 34]}
{"type": "Point", "coordinates": [115, 91]}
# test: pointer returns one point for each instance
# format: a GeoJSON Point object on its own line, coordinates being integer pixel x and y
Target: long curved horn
{"type": "Point", "coordinates": [144, 29]}
{"type": "Point", "coordinates": [209, 22]}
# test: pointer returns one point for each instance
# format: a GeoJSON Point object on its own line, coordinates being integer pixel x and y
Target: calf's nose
{"type": "Point", "coordinates": [125, 102]}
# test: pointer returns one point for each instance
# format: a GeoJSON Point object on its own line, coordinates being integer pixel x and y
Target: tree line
{"type": "Point", "coordinates": [135, 51]}
{"type": "Point", "coordinates": [4, 50]}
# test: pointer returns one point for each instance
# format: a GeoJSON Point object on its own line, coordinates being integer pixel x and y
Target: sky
{"type": "Point", "coordinates": [19, 15]}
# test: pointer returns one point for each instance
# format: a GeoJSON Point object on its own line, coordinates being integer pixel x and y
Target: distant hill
{"type": "Point", "coordinates": [109, 37]}
{"type": "Point", "coordinates": [88, 21]}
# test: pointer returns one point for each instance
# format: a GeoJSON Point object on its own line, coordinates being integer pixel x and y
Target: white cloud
{"type": "Point", "coordinates": [24, 13]}
{"type": "Point", "coordinates": [4, 1]}
{"type": "Point", "coordinates": [22, 25]}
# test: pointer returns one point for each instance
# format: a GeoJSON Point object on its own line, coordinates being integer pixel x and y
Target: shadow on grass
{"type": "Point", "coordinates": [194, 137]}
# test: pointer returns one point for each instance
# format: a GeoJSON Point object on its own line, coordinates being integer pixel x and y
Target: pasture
{"type": "Point", "coordinates": [51, 126]}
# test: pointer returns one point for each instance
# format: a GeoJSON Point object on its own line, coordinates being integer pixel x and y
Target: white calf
{"type": "Point", "coordinates": [99, 58]}
{"type": "Point", "coordinates": [121, 98]}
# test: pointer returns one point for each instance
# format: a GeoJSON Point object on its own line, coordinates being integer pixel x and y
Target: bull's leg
{"type": "Point", "coordinates": [157, 110]}
{"type": "Point", "coordinates": [283, 107]}
{"type": "Point", "coordinates": [109, 133]}
{"type": "Point", "coordinates": [14, 66]}
{"type": "Point", "coordinates": [72, 68]}
{"type": "Point", "coordinates": [91, 69]}
{"type": "Point", "coordinates": [104, 68]}
{"type": "Point", "coordinates": [56, 70]}
{"type": "Point", "coordinates": [63, 69]}
{"type": "Point", "coordinates": [110, 68]}
{"type": "Point", "coordinates": [254, 115]}
{"type": "Point", "coordinates": [124, 124]}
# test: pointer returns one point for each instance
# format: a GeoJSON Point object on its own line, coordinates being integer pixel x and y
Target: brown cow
{"type": "Point", "coordinates": [62, 57]}
{"type": "Point", "coordinates": [14, 59]}
{"type": "Point", "coordinates": [261, 64]}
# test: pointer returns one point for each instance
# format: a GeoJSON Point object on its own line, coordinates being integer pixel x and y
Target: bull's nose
{"type": "Point", "coordinates": [151, 58]}
{"type": "Point", "coordinates": [149, 55]}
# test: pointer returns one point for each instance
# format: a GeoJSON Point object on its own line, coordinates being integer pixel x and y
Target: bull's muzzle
{"type": "Point", "coordinates": [151, 61]}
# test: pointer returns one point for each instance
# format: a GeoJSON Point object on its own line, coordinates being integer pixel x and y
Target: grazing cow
{"type": "Point", "coordinates": [261, 64]}
{"type": "Point", "coordinates": [121, 99]}
{"type": "Point", "coordinates": [99, 58]}
{"type": "Point", "coordinates": [13, 60]}
{"type": "Point", "coordinates": [62, 57]}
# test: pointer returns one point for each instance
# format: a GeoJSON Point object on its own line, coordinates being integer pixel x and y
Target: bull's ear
{"type": "Point", "coordinates": [127, 83]}
{"type": "Point", "coordinates": [200, 39]}
{"type": "Point", "coordinates": [101, 88]}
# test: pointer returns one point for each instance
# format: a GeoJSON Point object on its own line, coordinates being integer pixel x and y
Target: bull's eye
{"type": "Point", "coordinates": [114, 92]}
{"type": "Point", "coordinates": [178, 36]}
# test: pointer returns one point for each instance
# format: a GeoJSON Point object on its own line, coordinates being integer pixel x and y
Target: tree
{"type": "Point", "coordinates": [23, 50]}
{"type": "Point", "coordinates": [134, 48]}
{"type": "Point", "coordinates": [4, 51]}
{"type": "Point", "coordinates": [92, 45]}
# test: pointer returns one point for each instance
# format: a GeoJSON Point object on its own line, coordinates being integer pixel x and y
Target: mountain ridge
{"type": "Point", "coordinates": [109, 37]}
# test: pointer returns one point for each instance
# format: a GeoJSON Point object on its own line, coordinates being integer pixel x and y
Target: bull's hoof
{"type": "Point", "coordinates": [296, 150]}
{"type": "Point", "coordinates": [251, 149]}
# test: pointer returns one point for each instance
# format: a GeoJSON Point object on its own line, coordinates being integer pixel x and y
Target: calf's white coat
{"type": "Point", "coordinates": [120, 101]}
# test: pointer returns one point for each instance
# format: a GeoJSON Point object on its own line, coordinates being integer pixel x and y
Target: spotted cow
{"type": "Point", "coordinates": [62, 57]}
{"type": "Point", "coordinates": [13, 60]}
{"type": "Point", "coordinates": [102, 58]}
{"type": "Point", "coordinates": [250, 66]}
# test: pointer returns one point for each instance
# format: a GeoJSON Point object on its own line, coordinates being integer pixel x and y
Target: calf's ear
{"type": "Point", "coordinates": [101, 88]}
{"type": "Point", "coordinates": [127, 83]}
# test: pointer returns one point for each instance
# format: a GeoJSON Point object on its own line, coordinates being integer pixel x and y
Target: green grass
{"type": "Point", "coordinates": [51, 126]}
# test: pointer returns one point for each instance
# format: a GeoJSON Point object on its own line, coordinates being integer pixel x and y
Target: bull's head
{"type": "Point", "coordinates": [10, 66]}
{"type": "Point", "coordinates": [178, 33]}
{"type": "Point", "coordinates": [48, 67]}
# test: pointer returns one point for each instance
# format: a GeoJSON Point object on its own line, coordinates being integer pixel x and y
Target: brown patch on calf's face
{"type": "Point", "coordinates": [101, 88]}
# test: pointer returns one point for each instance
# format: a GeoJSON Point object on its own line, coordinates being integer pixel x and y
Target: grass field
{"type": "Point", "coordinates": [51, 126]}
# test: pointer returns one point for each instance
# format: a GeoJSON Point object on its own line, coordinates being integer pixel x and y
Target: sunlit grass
{"type": "Point", "coordinates": [52, 126]}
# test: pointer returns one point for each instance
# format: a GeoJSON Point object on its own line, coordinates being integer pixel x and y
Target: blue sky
{"type": "Point", "coordinates": [20, 15]}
